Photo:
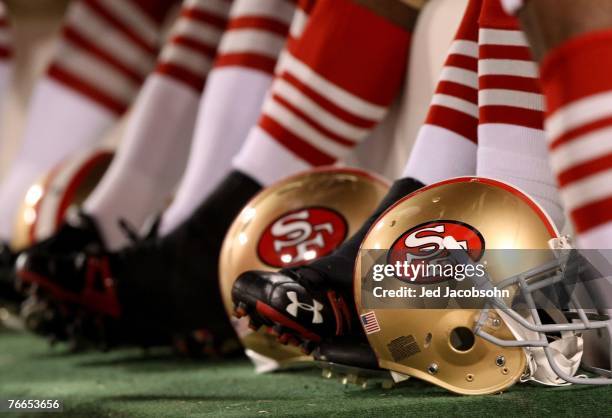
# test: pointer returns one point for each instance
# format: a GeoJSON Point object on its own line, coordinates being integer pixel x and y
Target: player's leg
{"type": "Point", "coordinates": [232, 101]}
{"type": "Point", "coordinates": [511, 139]}
{"type": "Point", "coordinates": [146, 158]}
{"type": "Point", "coordinates": [445, 147]}
{"type": "Point", "coordinates": [152, 156]}
{"type": "Point", "coordinates": [572, 41]}
{"type": "Point", "coordinates": [105, 50]}
{"type": "Point", "coordinates": [319, 106]}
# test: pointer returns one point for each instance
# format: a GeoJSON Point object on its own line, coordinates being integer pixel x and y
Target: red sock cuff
{"type": "Point", "coordinates": [578, 68]}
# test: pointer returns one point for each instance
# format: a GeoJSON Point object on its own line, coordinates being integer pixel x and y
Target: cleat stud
{"type": "Point", "coordinates": [277, 329]}
{"type": "Point", "coordinates": [254, 324]}
{"type": "Point", "coordinates": [327, 374]}
{"type": "Point", "coordinates": [307, 346]}
{"type": "Point", "coordinates": [240, 310]}
{"type": "Point", "coordinates": [352, 378]}
{"type": "Point", "coordinates": [387, 384]}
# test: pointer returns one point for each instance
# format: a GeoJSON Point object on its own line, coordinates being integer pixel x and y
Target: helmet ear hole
{"type": "Point", "coordinates": [428, 338]}
{"type": "Point", "coordinates": [461, 339]}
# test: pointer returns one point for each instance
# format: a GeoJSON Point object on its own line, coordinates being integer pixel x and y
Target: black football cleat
{"type": "Point", "coordinates": [78, 234]}
{"type": "Point", "coordinates": [159, 291]}
{"type": "Point", "coordinates": [349, 351]}
{"type": "Point", "coordinates": [291, 306]}
{"type": "Point", "coordinates": [351, 360]}
{"type": "Point", "coordinates": [313, 302]}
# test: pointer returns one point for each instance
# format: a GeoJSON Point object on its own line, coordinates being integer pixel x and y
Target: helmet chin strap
{"type": "Point", "coordinates": [566, 352]}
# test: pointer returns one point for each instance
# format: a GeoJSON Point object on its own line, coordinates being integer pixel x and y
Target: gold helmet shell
{"type": "Point", "coordinates": [48, 200]}
{"type": "Point", "coordinates": [290, 223]}
{"type": "Point", "coordinates": [438, 345]}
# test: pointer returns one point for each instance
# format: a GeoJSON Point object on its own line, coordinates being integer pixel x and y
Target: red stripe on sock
{"type": "Point", "coordinates": [263, 23]}
{"type": "Point", "coordinates": [194, 45]}
{"type": "Point", "coordinates": [314, 123]}
{"type": "Point", "coordinates": [204, 17]}
{"type": "Point", "coordinates": [327, 104]}
{"type": "Point", "coordinates": [505, 52]}
{"type": "Point", "coordinates": [592, 215]}
{"type": "Point", "coordinates": [462, 61]}
{"type": "Point", "coordinates": [195, 81]}
{"type": "Point", "coordinates": [580, 131]}
{"type": "Point", "coordinates": [74, 37]}
{"type": "Point", "coordinates": [508, 82]}
{"type": "Point", "coordinates": [458, 90]}
{"type": "Point", "coordinates": [253, 61]}
{"type": "Point", "coordinates": [101, 11]}
{"type": "Point", "coordinates": [512, 116]}
{"type": "Point", "coordinates": [585, 169]}
{"type": "Point", "coordinates": [453, 120]}
{"type": "Point", "coordinates": [77, 84]}
{"type": "Point", "coordinates": [301, 148]}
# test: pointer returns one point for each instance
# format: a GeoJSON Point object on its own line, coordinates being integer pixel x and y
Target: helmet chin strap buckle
{"type": "Point", "coordinates": [561, 243]}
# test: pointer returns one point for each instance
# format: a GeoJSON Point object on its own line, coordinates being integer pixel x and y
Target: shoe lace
{"type": "Point", "coordinates": [131, 232]}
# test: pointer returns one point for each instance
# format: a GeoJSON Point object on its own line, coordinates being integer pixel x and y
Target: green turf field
{"type": "Point", "coordinates": [132, 383]}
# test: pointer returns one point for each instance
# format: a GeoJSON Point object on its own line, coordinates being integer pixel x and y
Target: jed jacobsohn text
{"type": "Point", "coordinates": [446, 292]}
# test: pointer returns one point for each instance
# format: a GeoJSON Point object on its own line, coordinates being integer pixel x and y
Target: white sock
{"type": "Point", "coordinates": [152, 155]}
{"type": "Point", "coordinates": [511, 140]}
{"type": "Point", "coordinates": [232, 99]}
{"type": "Point", "coordinates": [106, 49]}
{"type": "Point", "coordinates": [446, 145]}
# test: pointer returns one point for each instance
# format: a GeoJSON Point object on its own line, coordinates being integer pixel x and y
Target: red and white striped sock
{"type": "Point", "coordinates": [335, 84]}
{"type": "Point", "coordinates": [446, 144]}
{"type": "Point", "coordinates": [152, 155]}
{"type": "Point", "coordinates": [106, 49]}
{"type": "Point", "coordinates": [578, 88]}
{"type": "Point", "coordinates": [231, 103]}
{"type": "Point", "coordinates": [511, 139]}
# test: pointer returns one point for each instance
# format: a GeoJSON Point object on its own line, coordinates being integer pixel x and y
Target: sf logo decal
{"type": "Point", "coordinates": [424, 244]}
{"type": "Point", "coordinates": [295, 304]}
{"type": "Point", "coordinates": [301, 235]}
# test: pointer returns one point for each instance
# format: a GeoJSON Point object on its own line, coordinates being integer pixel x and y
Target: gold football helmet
{"type": "Point", "coordinates": [473, 350]}
{"type": "Point", "coordinates": [48, 200]}
{"type": "Point", "coordinates": [290, 223]}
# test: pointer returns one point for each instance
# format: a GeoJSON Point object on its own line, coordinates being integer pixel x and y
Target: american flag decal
{"type": "Point", "coordinates": [370, 323]}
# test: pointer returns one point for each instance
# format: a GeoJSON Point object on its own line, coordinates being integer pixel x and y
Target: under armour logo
{"type": "Point", "coordinates": [295, 304]}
